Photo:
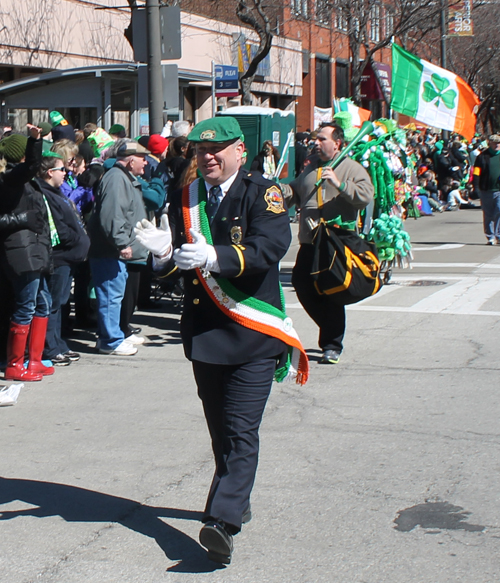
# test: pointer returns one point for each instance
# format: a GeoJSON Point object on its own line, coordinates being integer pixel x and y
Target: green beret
{"type": "Point", "coordinates": [224, 128]}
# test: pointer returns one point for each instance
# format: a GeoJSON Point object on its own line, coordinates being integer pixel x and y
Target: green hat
{"type": "Point", "coordinates": [224, 128]}
{"type": "Point", "coordinates": [116, 129]}
{"type": "Point", "coordinates": [344, 120]}
{"type": "Point", "coordinates": [13, 147]}
{"type": "Point", "coordinates": [57, 119]}
{"type": "Point", "coordinates": [100, 140]}
{"type": "Point", "coordinates": [51, 154]}
{"type": "Point", "coordinates": [45, 127]}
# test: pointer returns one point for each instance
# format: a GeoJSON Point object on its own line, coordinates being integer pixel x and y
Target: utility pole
{"type": "Point", "coordinates": [155, 79]}
{"type": "Point", "coordinates": [444, 133]}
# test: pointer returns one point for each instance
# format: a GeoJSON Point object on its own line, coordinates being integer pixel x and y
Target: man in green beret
{"type": "Point", "coordinates": [227, 232]}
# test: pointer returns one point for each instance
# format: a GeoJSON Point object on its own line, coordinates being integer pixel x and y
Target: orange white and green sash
{"type": "Point", "coordinates": [246, 310]}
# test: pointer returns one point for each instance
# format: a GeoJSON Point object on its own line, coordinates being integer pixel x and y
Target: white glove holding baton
{"type": "Point", "coordinates": [158, 241]}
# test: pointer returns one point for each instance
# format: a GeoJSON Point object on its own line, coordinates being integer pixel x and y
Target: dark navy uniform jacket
{"type": "Point", "coordinates": [254, 210]}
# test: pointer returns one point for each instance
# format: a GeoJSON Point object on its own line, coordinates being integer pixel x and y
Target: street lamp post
{"type": "Point", "coordinates": [155, 80]}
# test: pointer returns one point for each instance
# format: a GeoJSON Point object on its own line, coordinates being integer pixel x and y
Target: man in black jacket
{"type": "Point", "coordinates": [486, 181]}
{"type": "Point", "coordinates": [227, 232]}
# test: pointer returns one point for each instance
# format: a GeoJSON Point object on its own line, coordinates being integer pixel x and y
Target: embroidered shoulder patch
{"type": "Point", "coordinates": [274, 199]}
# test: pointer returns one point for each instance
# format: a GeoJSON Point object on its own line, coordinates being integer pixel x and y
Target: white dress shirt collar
{"type": "Point", "coordinates": [225, 186]}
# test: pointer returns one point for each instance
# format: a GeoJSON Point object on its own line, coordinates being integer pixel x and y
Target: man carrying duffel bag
{"type": "Point", "coordinates": [343, 193]}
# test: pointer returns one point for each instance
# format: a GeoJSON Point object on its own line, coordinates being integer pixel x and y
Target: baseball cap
{"type": "Point", "coordinates": [132, 148]}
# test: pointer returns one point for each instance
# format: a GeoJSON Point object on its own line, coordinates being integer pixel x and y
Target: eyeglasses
{"type": "Point", "coordinates": [61, 168]}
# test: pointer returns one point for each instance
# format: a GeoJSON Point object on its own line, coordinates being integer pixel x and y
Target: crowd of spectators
{"type": "Point", "coordinates": [69, 200]}
{"type": "Point", "coordinates": [71, 197]}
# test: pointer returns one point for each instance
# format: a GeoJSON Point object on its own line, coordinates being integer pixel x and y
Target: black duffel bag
{"type": "Point", "coordinates": [345, 266]}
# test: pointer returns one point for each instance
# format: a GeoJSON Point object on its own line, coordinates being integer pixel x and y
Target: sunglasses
{"type": "Point", "coordinates": [61, 168]}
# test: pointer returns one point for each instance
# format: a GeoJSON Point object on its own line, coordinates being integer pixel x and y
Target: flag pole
{"type": "Point", "coordinates": [444, 133]}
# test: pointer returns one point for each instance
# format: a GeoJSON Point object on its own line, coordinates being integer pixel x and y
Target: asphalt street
{"type": "Point", "coordinates": [383, 468]}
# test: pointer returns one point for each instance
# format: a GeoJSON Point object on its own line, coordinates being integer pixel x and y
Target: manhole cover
{"type": "Point", "coordinates": [420, 283]}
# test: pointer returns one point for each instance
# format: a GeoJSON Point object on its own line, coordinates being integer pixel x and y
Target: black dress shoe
{"type": "Point", "coordinates": [218, 542]}
{"type": "Point", "coordinates": [134, 330]}
{"type": "Point", "coordinates": [73, 356]}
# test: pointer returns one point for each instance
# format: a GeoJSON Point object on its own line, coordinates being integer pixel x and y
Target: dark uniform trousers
{"type": "Point", "coordinates": [234, 398]}
{"type": "Point", "coordinates": [326, 313]}
{"type": "Point", "coordinates": [233, 365]}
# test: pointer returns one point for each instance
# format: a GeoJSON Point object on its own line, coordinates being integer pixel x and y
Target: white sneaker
{"type": "Point", "coordinates": [133, 339]}
{"type": "Point", "coordinates": [123, 349]}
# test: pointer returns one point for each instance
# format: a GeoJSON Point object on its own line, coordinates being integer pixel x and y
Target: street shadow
{"type": "Point", "coordinates": [75, 504]}
{"type": "Point", "coordinates": [429, 243]}
{"type": "Point", "coordinates": [313, 354]}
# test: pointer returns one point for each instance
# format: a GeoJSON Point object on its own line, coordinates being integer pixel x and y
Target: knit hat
{"type": "Point", "coordinates": [13, 147]}
{"type": "Point", "coordinates": [157, 145]}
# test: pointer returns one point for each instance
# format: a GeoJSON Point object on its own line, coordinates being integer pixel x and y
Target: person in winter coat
{"type": "Point", "coordinates": [70, 247]}
{"type": "Point", "coordinates": [25, 256]}
{"type": "Point", "coordinates": [119, 206]}
{"type": "Point", "coordinates": [486, 182]}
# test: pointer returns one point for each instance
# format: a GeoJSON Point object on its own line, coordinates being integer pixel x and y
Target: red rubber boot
{"type": "Point", "coordinates": [16, 346]}
{"type": "Point", "coordinates": [37, 343]}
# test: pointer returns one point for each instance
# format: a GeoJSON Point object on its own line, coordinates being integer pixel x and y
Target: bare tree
{"type": "Point", "coordinates": [371, 26]}
{"type": "Point", "coordinates": [253, 13]}
{"type": "Point", "coordinates": [477, 60]}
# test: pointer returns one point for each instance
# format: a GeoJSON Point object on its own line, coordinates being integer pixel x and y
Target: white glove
{"type": "Point", "coordinates": [195, 254]}
{"type": "Point", "coordinates": [158, 241]}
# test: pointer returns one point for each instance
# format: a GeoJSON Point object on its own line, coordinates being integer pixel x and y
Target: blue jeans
{"type": "Point", "coordinates": [32, 297]}
{"type": "Point", "coordinates": [490, 203]}
{"type": "Point", "coordinates": [110, 279]}
{"type": "Point", "coordinates": [60, 288]}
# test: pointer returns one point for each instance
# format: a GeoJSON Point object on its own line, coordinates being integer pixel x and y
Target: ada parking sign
{"type": "Point", "coordinates": [226, 81]}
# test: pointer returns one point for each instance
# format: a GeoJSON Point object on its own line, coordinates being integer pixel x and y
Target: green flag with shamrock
{"type": "Point", "coordinates": [432, 95]}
